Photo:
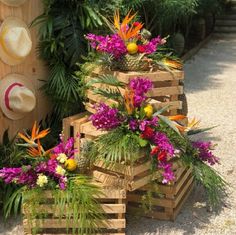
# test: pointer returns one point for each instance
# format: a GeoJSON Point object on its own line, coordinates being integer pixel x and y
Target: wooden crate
{"type": "Point", "coordinates": [112, 201]}
{"type": "Point", "coordinates": [168, 86]}
{"type": "Point", "coordinates": [167, 202]}
{"type": "Point", "coordinates": [128, 176]}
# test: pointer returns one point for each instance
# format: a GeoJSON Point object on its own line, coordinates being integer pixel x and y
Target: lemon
{"type": "Point", "coordinates": [132, 48]}
{"type": "Point", "coordinates": [71, 164]}
{"type": "Point", "coordinates": [148, 110]}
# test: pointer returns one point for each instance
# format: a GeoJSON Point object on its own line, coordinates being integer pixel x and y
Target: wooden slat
{"type": "Point", "coordinates": [152, 214]}
{"type": "Point", "coordinates": [183, 191]}
{"type": "Point", "coordinates": [64, 233]}
{"type": "Point", "coordinates": [172, 104]}
{"type": "Point", "coordinates": [107, 208]}
{"type": "Point", "coordinates": [57, 224]}
{"type": "Point", "coordinates": [182, 181]}
{"type": "Point", "coordinates": [133, 197]}
{"type": "Point", "coordinates": [175, 90]}
{"type": "Point", "coordinates": [99, 98]}
{"type": "Point", "coordinates": [127, 170]}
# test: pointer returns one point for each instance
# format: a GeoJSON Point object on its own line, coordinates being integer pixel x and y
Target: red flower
{"type": "Point", "coordinates": [162, 156]}
{"type": "Point", "coordinates": [155, 151]}
{"type": "Point", "coordinates": [141, 48]}
{"type": "Point", "coordinates": [53, 156]}
{"type": "Point", "coordinates": [148, 133]}
{"type": "Point", "coordinates": [135, 24]}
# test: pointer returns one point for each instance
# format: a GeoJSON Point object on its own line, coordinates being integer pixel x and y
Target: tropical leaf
{"type": "Point", "coordinates": [106, 79]}
{"type": "Point", "coordinates": [201, 130]}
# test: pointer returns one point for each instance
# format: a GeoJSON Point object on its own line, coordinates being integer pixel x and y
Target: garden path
{"type": "Point", "coordinates": [210, 87]}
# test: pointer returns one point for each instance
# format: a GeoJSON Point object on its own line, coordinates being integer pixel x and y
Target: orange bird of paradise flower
{"type": "Point", "coordinates": [124, 33]}
{"type": "Point", "coordinates": [129, 101]}
{"type": "Point", "coordinates": [35, 148]}
{"type": "Point", "coordinates": [35, 134]}
{"type": "Point", "coordinates": [191, 124]}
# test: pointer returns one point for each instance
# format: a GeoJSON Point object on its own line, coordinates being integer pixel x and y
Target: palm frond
{"type": "Point", "coordinates": [108, 93]}
{"type": "Point", "coordinates": [116, 146]}
{"type": "Point", "coordinates": [107, 79]}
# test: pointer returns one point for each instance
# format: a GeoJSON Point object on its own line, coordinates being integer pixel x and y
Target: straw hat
{"type": "Point", "coordinates": [15, 41]}
{"type": "Point", "coordinates": [16, 96]}
{"type": "Point", "coordinates": [13, 3]}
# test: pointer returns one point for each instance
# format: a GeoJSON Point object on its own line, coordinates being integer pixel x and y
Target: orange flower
{"type": "Point", "coordinates": [35, 134]}
{"type": "Point", "coordinates": [129, 101]}
{"type": "Point", "coordinates": [121, 27]}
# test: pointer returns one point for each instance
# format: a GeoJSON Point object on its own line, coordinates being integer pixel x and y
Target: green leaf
{"type": "Point", "coordinates": [169, 123]}
{"type": "Point", "coordinates": [162, 110]}
{"type": "Point", "coordinates": [142, 142]}
{"type": "Point", "coordinates": [197, 131]}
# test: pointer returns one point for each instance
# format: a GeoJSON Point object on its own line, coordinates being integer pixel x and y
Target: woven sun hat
{"type": "Point", "coordinates": [17, 96]}
{"type": "Point", "coordinates": [15, 41]}
{"type": "Point", "coordinates": [13, 3]}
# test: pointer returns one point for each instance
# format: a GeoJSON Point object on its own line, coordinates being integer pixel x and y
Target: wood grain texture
{"type": "Point", "coordinates": [32, 68]}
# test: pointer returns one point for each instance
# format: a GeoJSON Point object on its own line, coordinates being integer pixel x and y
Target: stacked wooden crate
{"type": "Point", "coordinates": [168, 86]}
{"type": "Point", "coordinates": [112, 201]}
{"type": "Point", "coordinates": [134, 178]}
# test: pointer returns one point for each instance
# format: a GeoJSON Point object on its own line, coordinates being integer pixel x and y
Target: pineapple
{"type": "Point", "coordinates": [132, 63]}
{"type": "Point", "coordinates": [83, 160]}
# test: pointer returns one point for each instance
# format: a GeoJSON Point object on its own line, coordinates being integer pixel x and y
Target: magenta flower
{"type": "Point", "coordinates": [162, 141]}
{"type": "Point", "coordinates": [151, 46]}
{"type": "Point", "coordinates": [205, 154]}
{"type": "Point", "coordinates": [140, 86]}
{"type": "Point", "coordinates": [110, 44]}
{"type": "Point", "coordinates": [168, 174]}
{"type": "Point", "coordinates": [65, 147]}
{"type": "Point", "coordinates": [105, 118]}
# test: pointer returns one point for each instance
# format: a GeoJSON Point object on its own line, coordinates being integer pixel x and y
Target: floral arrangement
{"type": "Point", "coordinates": [134, 125]}
{"type": "Point", "coordinates": [52, 174]}
{"type": "Point", "coordinates": [48, 168]}
{"type": "Point", "coordinates": [130, 44]}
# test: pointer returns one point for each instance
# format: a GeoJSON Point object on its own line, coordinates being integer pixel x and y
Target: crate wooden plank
{"type": "Point", "coordinates": [175, 90]}
{"type": "Point", "coordinates": [108, 209]}
{"type": "Point", "coordinates": [166, 206]}
{"type": "Point", "coordinates": [62, 223]}
{"type": "Point", "coordinates": [154, 76]}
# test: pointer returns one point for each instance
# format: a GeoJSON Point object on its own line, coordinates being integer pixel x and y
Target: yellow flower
{"type": "Point", "coordinates": [132, 48]}
{"type": "Point", "coordinates": [148, 110]}
{"type": "Point", "coordinates": [61, 158]}
{"type": "Point", "coordinates": [70, 164]}
{"type": "Point", "coordinates": [42, 180]}
{"type": "Point", "coordinates": [60, 170]}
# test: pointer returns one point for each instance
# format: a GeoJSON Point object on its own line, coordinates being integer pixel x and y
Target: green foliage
{"type": "Point", "coordinates": [77, 204]}
{"type": "Point", "coordinates": [116, 146]}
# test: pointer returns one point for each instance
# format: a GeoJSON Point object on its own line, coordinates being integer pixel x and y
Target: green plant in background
{"type": "Point", "coordinates": [10, 156]}
{"type": "Point", "coordinates": [61, 33]}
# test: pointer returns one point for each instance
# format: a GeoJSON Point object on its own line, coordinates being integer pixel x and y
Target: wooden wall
{"type": "Point", "coordinates": [32, 67]}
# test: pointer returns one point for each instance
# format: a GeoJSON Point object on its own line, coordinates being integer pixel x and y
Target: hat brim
{"type": "Point", "coordinates": [13, 4]}
{"type": "Point", "coordinates": [12, 22]}
{"type": "Point", "coordinates": [4, 84]}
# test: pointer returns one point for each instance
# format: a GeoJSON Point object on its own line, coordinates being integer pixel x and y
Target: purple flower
{"type": "Point", "coordinates": [151, 46]}
{"type": "Point", "coordinates": [62, 182]}
{"type": "Point", "coordinates": [140, 86]}
{"type": "Point", "coordinates": [205, 153]}
{"type": "Point", "coordinates": [65, 147]}
{"type": "Point", "coordinates": [133, 125]}
{"type": "Point", "coordinates": [162, 141]}
{"type": "Point", "coordinates": [105, 118]}
{"type": "Point", "coordinates": [111, 44]}
{"type": "Point", "coordinates": [168, 174]}
{"type": "Point", "coordinates": [19, 175]}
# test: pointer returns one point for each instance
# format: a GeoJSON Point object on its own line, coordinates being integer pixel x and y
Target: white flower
{"type": "Point", "coordinates": [62, 158]}
{"type": "Point", "coordinates": [42, 180]}
{"type": "Point", "coordinates": [60, 170]}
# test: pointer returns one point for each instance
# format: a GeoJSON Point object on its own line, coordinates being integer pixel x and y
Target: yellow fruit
{"type": "Point", "coordinates": [71, 164]}
{"type": "Point", "coordinates": [148, 110]}
{"type": "Point", "coordinates": [132, 48]}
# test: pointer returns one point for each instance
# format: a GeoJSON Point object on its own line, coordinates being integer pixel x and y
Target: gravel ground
{"type": "Point", "coordinates": [210, 83]}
